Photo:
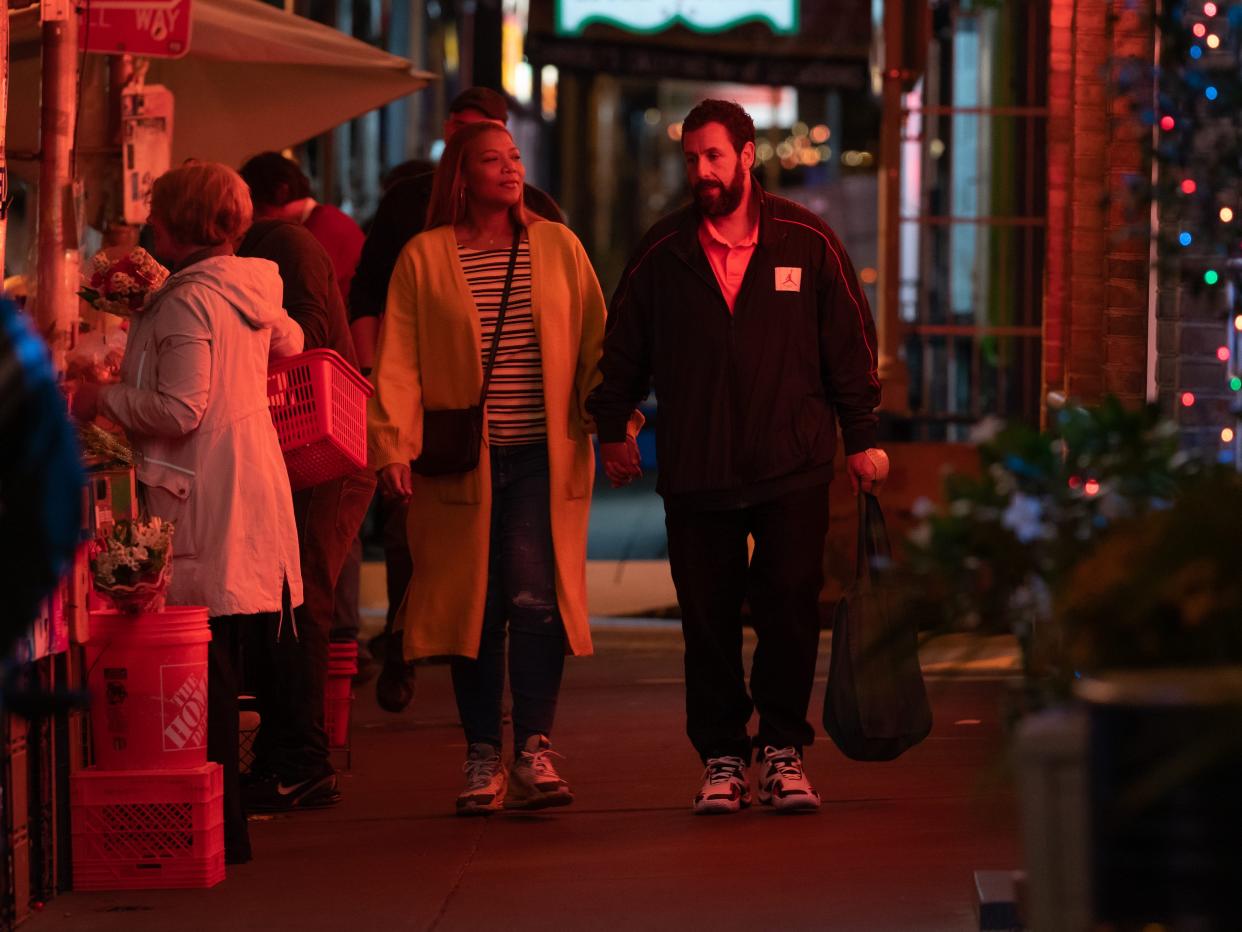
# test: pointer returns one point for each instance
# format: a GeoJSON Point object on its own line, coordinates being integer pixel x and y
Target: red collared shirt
{"type": "Point", "coordinates": [728, 260]}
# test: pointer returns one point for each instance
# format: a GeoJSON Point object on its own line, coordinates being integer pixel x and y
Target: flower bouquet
{"type": "Point", "coordinates": [132, 564]}
{"type": "Point", "coordinates": [120, 284]}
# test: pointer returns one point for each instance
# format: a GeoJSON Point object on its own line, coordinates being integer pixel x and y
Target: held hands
{"type": "Point", "coordinates": [867, 470]}
{"type": "Point", "coordinates": [622, 463]}
{"type": "Point", "coordinates": [395, 481]}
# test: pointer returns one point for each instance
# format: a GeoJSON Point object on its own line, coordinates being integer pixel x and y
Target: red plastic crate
{"type": "Point", "coordinates": [140, 829]}
{"type": "Point", "coordinates": [319, 406]}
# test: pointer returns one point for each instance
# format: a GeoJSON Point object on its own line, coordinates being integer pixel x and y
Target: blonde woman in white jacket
{"type": "Point", "coordinates": [193, 400]}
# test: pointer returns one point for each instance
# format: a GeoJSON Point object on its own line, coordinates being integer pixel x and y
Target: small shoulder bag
{"type": "Point", "coordinates": [452, 436]}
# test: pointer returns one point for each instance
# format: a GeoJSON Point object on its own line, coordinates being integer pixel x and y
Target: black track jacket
{"type": "Point", "coordinates": [748, 401]}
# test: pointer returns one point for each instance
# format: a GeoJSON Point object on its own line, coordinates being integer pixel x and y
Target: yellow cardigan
{"type": "Point", "coordinates": [428, 354]}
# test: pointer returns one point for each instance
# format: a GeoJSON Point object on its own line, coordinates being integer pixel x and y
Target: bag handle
{"type": "Point", "coordinates": [500, 319]}
{"type": "Point", "coordinates": [874, 550]}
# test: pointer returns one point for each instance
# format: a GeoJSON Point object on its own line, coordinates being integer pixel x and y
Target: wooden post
{"type": "Point", "coordinates": [56, 304]}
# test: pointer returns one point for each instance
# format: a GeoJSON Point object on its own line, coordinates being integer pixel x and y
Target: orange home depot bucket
{"type": "Point", "coordinates": [147, 676]}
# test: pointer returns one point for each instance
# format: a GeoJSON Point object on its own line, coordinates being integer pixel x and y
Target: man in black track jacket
{"type": "Point", "coordinates": [745, 315]}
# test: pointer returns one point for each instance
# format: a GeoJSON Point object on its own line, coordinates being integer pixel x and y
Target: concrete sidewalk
{"type": "Point", "coordinates": [894, 847]}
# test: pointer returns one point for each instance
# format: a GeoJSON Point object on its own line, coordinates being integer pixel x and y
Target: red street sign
{"type": "Point", "coordinates": [151, 28]}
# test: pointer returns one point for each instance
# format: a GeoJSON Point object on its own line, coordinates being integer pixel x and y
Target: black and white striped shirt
{"type": "Point", "coordinates": [515, 412]}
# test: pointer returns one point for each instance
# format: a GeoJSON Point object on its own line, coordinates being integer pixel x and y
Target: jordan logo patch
{"type": "Point", "coordinates": [788, 279]}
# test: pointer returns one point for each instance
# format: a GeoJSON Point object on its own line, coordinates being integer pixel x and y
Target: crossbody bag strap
{"type": "Point", "coordinates": [500, 318]}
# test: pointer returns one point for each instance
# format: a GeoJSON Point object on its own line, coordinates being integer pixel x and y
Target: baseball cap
{"type": "Point", "coordinates": [483, 99]}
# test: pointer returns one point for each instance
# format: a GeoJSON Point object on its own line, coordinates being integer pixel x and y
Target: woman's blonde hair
{"type": "Point", "coordinates": [448, 190]}
{"type": "Point", "coordinates": [202, 203]}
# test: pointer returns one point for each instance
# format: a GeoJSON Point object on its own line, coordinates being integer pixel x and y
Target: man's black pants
{"type": "Point", "coordinates": [708, 555]}
{"type": "Point", "coordinates": [288, 663]}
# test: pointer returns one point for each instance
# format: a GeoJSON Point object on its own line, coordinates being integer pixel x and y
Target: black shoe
{"type": "Point", "coordinates": [395, 687]}
{"type": "Point", "coordinates": [273, 794]}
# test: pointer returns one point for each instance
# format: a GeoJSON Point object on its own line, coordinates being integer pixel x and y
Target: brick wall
{"type": "Point", "coordinates": [1095, 321]}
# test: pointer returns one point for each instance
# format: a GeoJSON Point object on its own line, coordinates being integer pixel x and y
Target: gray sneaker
{"type": "Point", "coordinates": [485, 782]}
{"type": "Point", "coordinates": [783, 784]}
{"type": "Point", "coordinates": [534, 782]}
{"type": "Point", "coordinates": [725, 788]}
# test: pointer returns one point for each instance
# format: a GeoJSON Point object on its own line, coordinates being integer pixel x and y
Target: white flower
{"type": "Point", "coordinates": [921, 536]}
{"type": "Point", "coordinates": [121, 283]}
{"type": "Point", "coordinates": [986, 430]}
{"type": "Point", "coordinates": [1003, 478]}
{"type": "Point", "coordinates": [1023, 518]}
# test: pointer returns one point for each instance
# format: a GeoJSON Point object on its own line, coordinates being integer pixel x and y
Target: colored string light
{"type": "Point", "coordinates": [1189, 186]}
{"type": "Point", "coordinates": [1211, 276]}
{"type": "Point", "coordinates": [1091, 487]}
{"type": "Point", "coordinates": [1185, 239]}
{"type": "Point", "coordinates": [1188, 399]}
{"type": "Point", "coordinates": [1237, 322]}
{"type": "Point", "coordinates": [1226, 435]}
{"type": "Point", "coordinates": [1167, 123]}
{"type": "Point", "coordinates": [1211, 93]}
{"type": "Point", "coordinates": [1195, 52]}
{"type": "Point", "coordinates": [1209, 9]}
{"type": "Point", "coordinates": [1235, 384]}
{"type": "Point", "coordinates": [1226, 214]}
{"type": "Point", "coordinates": [1075, 483]}
{"type": "Point", "coordinates": [1223, 354]}
{"type": "Point", "coordinates": [1213, 41]}
{"type": "Point", "coordinates": [1199, 30]}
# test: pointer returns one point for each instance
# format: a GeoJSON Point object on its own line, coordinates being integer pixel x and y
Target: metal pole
{"type": "Point", "coordinates": [893, 372]}
{"type": "Point", "coordinates": [56, 305]}
{"type": "Point", "coordinates": [4, 120]}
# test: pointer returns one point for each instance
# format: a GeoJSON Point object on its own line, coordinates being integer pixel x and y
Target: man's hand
{"type": "Point", "coordinates": [622, 464]}
{"type": "Point", "coordinates": [867, 470]}
{"type": "Point", "coordinates": [395, 481]}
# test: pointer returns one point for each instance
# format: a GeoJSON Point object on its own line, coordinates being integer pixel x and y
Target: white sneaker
{"type": "Point", "coordinates": [534, 782]}
{"type": "Point", "coordinates": [485, 782]}
{"type": "Point", "coordinates": [783, 783]}
{"type": "Point", "coordinates": [725, 787]}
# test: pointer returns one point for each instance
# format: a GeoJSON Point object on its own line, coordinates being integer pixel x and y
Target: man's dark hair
{"type": "Point", "coordinates": [275, 180]}
{"type": "Point", "coordinates": [735, 120]}
{"type": "Point", "coordinates": [483, 99]}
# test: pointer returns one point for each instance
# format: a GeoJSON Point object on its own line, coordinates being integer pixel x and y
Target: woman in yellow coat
{"type": "Point", "coordinates": [500, 549]}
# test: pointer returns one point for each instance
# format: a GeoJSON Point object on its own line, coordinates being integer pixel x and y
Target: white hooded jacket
{"type": "Point", "coordinates": [193, 400]}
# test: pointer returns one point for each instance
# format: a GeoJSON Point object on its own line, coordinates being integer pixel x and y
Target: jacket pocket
{"type": "Point", "coordinates": [168, 494]}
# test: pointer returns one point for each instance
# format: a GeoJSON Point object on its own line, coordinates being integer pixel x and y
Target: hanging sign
{"type": "Point", "coordinates": [146, 145]}
{"type": "Point", "coordinates": [150, 28]}
{"type": "Point", "coordinates": [651, 16]}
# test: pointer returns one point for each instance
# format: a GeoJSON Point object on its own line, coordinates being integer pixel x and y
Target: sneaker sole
{"type": "Point", "coordinates": [321, 796]}
{"type": "Point", "coordinates": [709, 807]}
{"type": "Point", "coordinates": [791, 805]}
{"type": "Point", "coordinates": [478, 810]}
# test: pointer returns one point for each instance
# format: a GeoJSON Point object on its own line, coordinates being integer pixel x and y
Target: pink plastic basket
{"type": "Point", "coordinates": [319, 406]}
{"type": "Point", "coordinates": [141, 830]}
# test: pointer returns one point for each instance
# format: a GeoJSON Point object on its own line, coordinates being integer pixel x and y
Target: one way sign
{"type": "Point", "coordinates": [152, 28]}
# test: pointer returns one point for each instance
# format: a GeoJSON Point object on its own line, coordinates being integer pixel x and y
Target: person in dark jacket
{"type": "Point", "coordinates": [745, 313]}
{"type": "Point", "coordinates": [292, 768]}
{"type": "Point", "coordinates": [401, 215]}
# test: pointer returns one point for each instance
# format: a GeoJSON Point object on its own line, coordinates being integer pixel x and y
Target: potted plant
{"type": "Point", "coordinates": [1108, 552]}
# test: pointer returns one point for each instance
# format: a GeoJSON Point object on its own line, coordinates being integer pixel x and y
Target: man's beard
{"type": "Point", "coordinates": [727, 198]}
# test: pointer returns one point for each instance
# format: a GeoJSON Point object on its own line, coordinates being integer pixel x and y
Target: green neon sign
{"type": "Point", "coordinates": [646, 17]}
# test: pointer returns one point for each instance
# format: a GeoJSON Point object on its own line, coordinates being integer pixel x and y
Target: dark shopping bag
{"type": "Point", "coordinates": [876, 704]}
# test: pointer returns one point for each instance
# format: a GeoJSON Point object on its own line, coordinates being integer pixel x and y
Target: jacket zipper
{"type": "Point", "coordinates": [188, 472]}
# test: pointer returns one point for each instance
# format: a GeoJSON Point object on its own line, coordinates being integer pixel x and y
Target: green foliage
{"type": "Point", "coordinates": [1001, 554]}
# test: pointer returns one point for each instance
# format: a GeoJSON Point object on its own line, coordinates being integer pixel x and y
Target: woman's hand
{"type": "Point", "coordinates": [85, 405]}
{"type": "Point", "coordinates": [622, 463]}
{"type": "Point", "coordinates": [395, 481]}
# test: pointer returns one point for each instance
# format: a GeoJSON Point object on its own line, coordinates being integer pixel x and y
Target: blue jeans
{"type": "Point", "coordinates": [521, 603]}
